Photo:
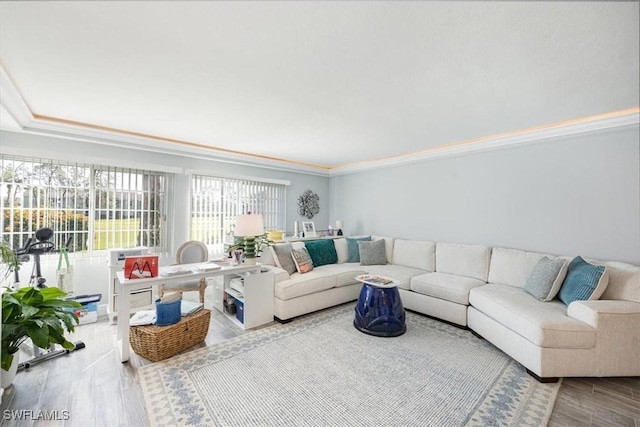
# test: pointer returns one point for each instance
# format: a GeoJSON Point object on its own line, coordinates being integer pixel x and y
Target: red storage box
{"type": "Point", "coordinates": [141, 267]}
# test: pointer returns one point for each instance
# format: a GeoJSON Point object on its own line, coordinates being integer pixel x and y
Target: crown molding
{"type": "Point", "coordinates": [150, 144]}
{"type": "Point", "coordinates": [13, 102]}
{"type": "Point", "coordinates": [528, 136]}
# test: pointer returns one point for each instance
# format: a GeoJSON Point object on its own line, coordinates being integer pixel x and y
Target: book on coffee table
{"type": "Point", "coordinates": [378, 280]}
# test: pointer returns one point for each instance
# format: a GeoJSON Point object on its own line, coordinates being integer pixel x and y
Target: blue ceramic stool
{"type": "Point", "coordinates": [379, 311]}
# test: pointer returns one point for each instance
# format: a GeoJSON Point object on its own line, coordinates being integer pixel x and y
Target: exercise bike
{"type": "Point", "coordinates": [41, 245]}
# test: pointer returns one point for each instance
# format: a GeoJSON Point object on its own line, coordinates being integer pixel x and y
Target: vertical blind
{"type": "Point", "coordinates": [97, 207]}
{"type": "Point", "coordinates": [216, 201]}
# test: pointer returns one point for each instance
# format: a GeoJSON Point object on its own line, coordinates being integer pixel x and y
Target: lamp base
{"type": "Point", "coordinates": [339, 233]}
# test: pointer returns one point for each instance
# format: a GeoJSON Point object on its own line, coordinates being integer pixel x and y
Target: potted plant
{"type": "Point", "coordinates": [41, 315]}
{"type": "Point", "coordinates": [9, 261]}
{"type": "Point", "coordinates": [252, 247]}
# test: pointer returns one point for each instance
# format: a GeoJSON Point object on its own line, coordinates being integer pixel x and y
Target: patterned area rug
{"type": "Point", "coordinates": [319, 370]}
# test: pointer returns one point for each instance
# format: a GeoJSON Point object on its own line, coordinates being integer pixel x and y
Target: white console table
{"type": "Point", "coordinates": [128, 286]}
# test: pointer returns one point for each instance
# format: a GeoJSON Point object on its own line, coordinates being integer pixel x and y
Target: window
{"type": "Point", "coordinates": [96, 207]}
{"type": "Point", "coordinates": [215, 203]}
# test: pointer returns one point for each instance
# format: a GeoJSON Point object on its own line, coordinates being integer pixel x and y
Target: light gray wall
{"type": "Point", "coordinates": [91, 274]}
{"type": "Point", "coordinates": [577, 195]}
{"type": "Point", "coordinates": [65, 149]}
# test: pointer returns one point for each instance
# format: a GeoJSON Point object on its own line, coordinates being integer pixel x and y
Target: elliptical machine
{"type": "Point", "coordinates": [41, 245]}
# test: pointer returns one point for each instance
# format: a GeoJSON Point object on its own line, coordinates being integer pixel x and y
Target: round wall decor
{"type": "Point", "coordinates": [308, 204]}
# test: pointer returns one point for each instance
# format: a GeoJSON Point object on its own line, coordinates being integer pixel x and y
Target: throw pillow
{"type": "Point", "coordinates": [546, 278]}
{"type": "Point", "coordinates": [341, 250]}
{"type": "Point", "coordinates": [283, 253]}
{"type": "Point", "coordinates": [353, 251]}
{"type": "Point", "coordinates": [372, 253]}
{"type": "Point", "coordinates": [302, 260]}
{"type": "Point", "coordinates": [322, 252]}
{"type": "Point", "coordinates": [584, 281]}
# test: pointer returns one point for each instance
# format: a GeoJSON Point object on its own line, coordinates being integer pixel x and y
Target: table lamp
{"type": "Point", "coordinates": [339, 227]}
{"type": "Point", "coordinates": [249, 226]}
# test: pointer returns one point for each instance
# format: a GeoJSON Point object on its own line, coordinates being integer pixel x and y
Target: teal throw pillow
{"type": "Point", "coordinates": [353, 251]}
{"type": "Point", "coordinates": [584, 281]}
{"type": "Point", "coordinates": [322, 252]}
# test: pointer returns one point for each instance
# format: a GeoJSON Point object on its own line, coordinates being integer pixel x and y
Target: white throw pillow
{"type": "Point", "coordinates": [341, 250]}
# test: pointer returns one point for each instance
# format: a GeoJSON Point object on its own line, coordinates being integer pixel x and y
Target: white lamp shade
{"type": "Point", "coordinates": [249, 225]}
{"type": "Point", "coordinates": [339, 224]}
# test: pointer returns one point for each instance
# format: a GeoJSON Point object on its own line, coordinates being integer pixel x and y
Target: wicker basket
{"type": "Point", "coordinates": [161, 342]}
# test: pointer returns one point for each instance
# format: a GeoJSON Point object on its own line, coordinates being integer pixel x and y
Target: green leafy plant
{"type": "Point", "coordinates": [9, 262]}
{"type": "Point", "coordinates": [41, 315]}
{"type": "Point", "coordinates": [260, 243]}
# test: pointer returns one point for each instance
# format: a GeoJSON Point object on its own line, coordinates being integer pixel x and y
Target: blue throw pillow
{"type": "Point", "coordinates": [353, 251]}
{"type": "Point", "coordinates": [322, 252]}
{"type": "Point", "coordinates": [584, 281]}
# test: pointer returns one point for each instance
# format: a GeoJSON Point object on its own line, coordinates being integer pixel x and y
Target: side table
{"type": "Point", "coordinates": [379, 310]}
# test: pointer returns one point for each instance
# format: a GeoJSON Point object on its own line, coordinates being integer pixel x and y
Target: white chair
{"type": "Point", "coordinates": [190, 252]}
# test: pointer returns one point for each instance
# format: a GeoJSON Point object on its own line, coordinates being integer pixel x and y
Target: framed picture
{"type": "Point", "coordinates": [309, 229]}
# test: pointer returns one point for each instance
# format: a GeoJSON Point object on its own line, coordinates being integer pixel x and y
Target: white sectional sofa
{"type": "Point", "coordinates": [482, 288]}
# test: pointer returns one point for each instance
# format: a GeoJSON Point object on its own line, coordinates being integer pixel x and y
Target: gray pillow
{"type": "Point", "coordinates": [373, 252]}
{"type": "Point", "coordinates": [283, 252]}
{"type": "Point", "coordinates": [353, 253]}
{"type": "Point", "coordinates": [546, 278]}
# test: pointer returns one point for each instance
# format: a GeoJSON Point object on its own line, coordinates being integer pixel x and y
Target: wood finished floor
{"type": "Point", "coordinates": [98, 390]}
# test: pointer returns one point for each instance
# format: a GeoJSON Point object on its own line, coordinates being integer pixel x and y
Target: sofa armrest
{"type": "Point", "coordinates": [617, 326]}
{"type": "Point", "coordinates": [279, 274]}
{"type": "Point", "coordinates": [590, 312]}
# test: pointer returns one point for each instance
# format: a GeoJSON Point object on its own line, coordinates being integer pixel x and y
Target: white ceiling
{"type": "Point", "coordinates": [326, 83]}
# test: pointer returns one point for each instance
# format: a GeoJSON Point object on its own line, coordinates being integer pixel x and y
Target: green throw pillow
{"type": "Point", "coordinates": [322, 252]}
{"type": "Point", "coordinates": [353, 251]}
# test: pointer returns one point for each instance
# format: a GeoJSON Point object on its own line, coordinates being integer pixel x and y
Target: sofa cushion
{"type": "Point", "coordinates": [302, 260]}
{"type": "Point", "coordinates": [353, 251]}
{"type": "Point", "coordinates": [584, 281]}
{"type": "Point", "coordinates": [544, 324]}
{"type": "Point", "coordinates": [341, 250]}
{"type": "Point", "coordinates": [372, 253]}
{"type": "Point", "coordinates": [445, 286]}
{"type": "Point", "coordinates": [322, 252]}
{"type": "Point", "coordinates": [624, 281]}
{"type": "Point", "coordinates": [463, 260]}
{"type": "Point", "coordinates": [415, 254]}
{"type": "Point", "coordinates": [278, 274]}
{"type": "Point", "coordinates": [267, 257]}
{"type": "Point", "coordinates": [512, 267]}
{"type": "Point", "coordinates": [285, 260]}
{"type": "Point", "coordinates": [546, 278]}
{"type": "Point", "coordinates": [304, 284]}
{"type": "Point", "coordinates": [398, 272]}
{"type": "Point", "coordinates": [345, 273]}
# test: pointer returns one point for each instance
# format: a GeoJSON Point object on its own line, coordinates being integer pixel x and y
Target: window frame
{"type": "Point", "coordinates": [89, 250]}
{"type": "Point", "coordinates": [243, 182]}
